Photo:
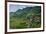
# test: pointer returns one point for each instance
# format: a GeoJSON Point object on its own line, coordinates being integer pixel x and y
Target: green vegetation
{"type": "Point", "coordinates": [29, 17]}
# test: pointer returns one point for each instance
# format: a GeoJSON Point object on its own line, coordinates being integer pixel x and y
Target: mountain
{"type": "Point", "coordinates": [29, 17]}
{"type": "Point", "coordinates": [26, 11]}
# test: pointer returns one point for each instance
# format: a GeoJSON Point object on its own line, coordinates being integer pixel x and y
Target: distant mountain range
{"type": "Point", "coordinates": [25, 12]}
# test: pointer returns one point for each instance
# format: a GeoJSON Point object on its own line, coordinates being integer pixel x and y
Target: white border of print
{"type": "Point", "coordinates": [29, 29]}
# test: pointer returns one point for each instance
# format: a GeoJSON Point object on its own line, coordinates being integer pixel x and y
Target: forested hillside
{"type": "Point", "coordinates": [29, 17]}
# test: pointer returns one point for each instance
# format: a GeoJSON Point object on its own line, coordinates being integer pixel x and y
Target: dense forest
{"type": "Point", "coordinates": [29, 17]}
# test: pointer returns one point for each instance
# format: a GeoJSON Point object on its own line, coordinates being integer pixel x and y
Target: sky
{"type": "Point", "coordinates": [14, 8]}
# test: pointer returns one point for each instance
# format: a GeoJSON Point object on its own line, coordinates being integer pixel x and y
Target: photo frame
{"type": "Point", "coordinates": [14, 6]}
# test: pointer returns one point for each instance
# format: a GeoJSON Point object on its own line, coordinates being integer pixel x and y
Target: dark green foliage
{"type": "Point", "coordinates": [29, 17]}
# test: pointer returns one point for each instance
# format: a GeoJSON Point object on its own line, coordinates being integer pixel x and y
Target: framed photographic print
{"type": "Point", "coordinates": [24, 16]}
